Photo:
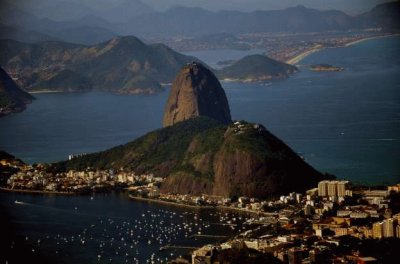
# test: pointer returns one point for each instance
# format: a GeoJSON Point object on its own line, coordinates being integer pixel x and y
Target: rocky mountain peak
{"type": "Point", "coordinates": [196, 92]}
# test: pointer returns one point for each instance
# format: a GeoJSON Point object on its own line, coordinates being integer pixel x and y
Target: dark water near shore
{"type": "Point", "coordinates": [108, 228]}
{"type": "Point", "coordinates": [345, 123]}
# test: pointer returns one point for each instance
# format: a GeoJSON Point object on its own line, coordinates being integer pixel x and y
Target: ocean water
{"type": "Point", "coordinates": [105, 228]}
{"type": "Point", "coordinates": [212, 57]}
{"type": "Point", "coordinates": [345, 123]}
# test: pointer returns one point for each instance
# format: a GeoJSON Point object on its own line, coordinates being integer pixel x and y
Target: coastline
{"type": "Point", "coordinates": [141, 199]}
{"type": "Point", "coordinates": [218, 207]}
{"type": "Point", "coordinates": [44, 91]}
{"type": "Point", "coordinates": [369, 38]}
{"type": "Point", "coordinates": [304, 54]}
{"type": "Point", "coordinates": [34, 191]}
{"type": "Point", "coordinates": [296, 59]}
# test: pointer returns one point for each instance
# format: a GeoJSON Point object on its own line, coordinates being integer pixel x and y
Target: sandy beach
{"type": "Point", "coordinates": [44, 91]}
{"type": "Point", "coordinates": [304, 54]}
{"type": "Point", "coordinates": [316, 48]}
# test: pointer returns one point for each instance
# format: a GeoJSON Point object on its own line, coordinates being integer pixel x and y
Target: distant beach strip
{"type": "Point", "coordinates": [304, 54]}
{"type": "Point", "coordinates": [319, 47]}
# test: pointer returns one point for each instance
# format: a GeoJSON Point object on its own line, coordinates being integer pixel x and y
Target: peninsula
{"type": "Point", "coordinates": [12, 98]}
{"type": "Point", "coordinates": [201, 151]}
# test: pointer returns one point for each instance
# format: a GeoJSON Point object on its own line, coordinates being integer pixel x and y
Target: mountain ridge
{"type": "Point", "coordinates": [195, 22]}
{"type": "Point", "coordinates": [125, 65]}
{"type": "Point", "coordinates": [202, 156]}
{"type": "Point", "coordinates": [122, 64]}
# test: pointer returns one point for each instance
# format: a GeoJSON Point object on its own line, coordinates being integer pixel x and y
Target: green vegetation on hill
{"type": "Point", "coordinates": [157, 152]}
{"type": "Point", "coordinates": [122, 65]}
{"type": "Point", "coordinates": [66, 81]}
{"type": "Point", "coordinates": [200, 155]}
{"type": "Point", "coordinates": [256, 68]}
{"type": "Point", "coordinates": [141, 84]}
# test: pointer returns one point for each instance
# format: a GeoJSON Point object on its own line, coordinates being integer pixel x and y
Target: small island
{"type": "Point", "coordinates": [256, 68]}
{"type": "Point", "coordinates": [325, 68]}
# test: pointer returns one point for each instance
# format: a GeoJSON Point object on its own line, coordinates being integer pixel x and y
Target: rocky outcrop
{"type": "Point", "coordinates": [246, 160]}
{"type": "Point", "coordinates": [200, 150]}
{"type": "Point", "coordinates": [196, 92]}
{"type": "Point", "coordinates": [12, 98]}
{"type": "Point", "coordinates": [253, 162]}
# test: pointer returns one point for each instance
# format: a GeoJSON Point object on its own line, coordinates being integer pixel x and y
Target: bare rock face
{"type": "Point", "coordinates": [196, 92]}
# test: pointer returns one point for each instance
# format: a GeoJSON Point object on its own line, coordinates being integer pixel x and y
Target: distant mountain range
{"type": "Point", "coordinates": [12, 97]}
{"type": "Point", "coordinates": [123, 65]}
{"type": "Point", "coordinates": [87, 26]}
{"type": "Point", "coordinates": [196, 21]}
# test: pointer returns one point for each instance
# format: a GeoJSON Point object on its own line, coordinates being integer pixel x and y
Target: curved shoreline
{"type": "Point", "coordinates": [369, 38]}
{"type": "Point", "coordinates": [304, 54]}
{"type": "Point", "coordinates": [316, 48]}
{"type": "Point", "coordinates": [34, 191]}
{"type": "Point", "coordinates": [218, 207]}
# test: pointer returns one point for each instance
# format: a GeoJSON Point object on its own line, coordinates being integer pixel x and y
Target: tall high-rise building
{"type": "Point", "coordinates": [389, 227]}
{"type": "Point", "coordinates": [323, 188]}
{"type": "Point", "coordinates": [377, 230]}
{"type": "Point", "coordinates": [332, 188]}
{"type": "Point", "coordinates": [342, 186]}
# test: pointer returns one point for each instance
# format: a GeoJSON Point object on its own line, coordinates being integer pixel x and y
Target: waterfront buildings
{"type": "Point", "coordinates": [334, 189]}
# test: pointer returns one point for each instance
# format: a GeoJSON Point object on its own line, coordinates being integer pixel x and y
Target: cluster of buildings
{"type": "Point", "coordinates": [77, 181]}
{"type": "Point", "coordinates": [279, 46]}
{"type": "Point", "coordinates": [295, 228]}
{"type": "Point", "coordinates": [308, 228]}
{"type": "Point", "coordinates": [387, 228]}
{"type": "Point", "coordinates": [338, 189]}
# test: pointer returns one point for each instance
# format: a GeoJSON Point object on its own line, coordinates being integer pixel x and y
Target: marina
{"type": "Point", "coordinates": [71, 228]}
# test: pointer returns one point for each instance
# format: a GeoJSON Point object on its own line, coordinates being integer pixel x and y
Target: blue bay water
{"type": "Point", "coordinates": [345, 123]}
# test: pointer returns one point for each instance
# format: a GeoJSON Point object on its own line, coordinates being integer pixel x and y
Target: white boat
{"type": "Point", "coordinates": [18, 202]}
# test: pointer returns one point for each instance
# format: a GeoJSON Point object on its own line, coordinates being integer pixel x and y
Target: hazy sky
{"type": "Point", "coordinates": [349, 6]}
